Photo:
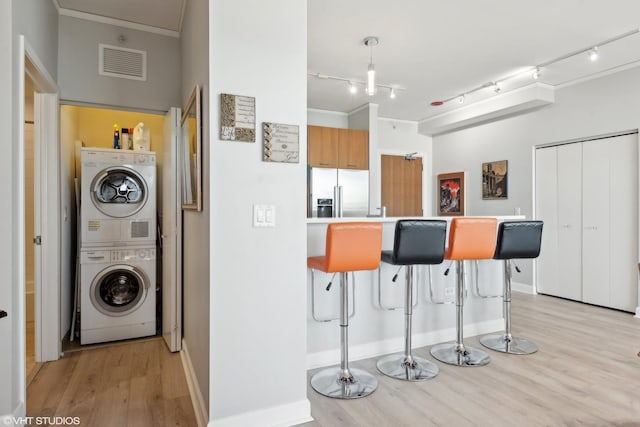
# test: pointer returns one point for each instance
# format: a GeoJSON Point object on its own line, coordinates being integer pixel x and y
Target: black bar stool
{"type": "Point", "coordinates": [416, 242]}
{"type": "Point", "coordinates": [516, 240]}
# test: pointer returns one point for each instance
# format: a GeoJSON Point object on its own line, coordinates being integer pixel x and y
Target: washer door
{"type": "Point", "coordinates": [119, 192]}
{"type": "Point", "coordinates": [119, 290]}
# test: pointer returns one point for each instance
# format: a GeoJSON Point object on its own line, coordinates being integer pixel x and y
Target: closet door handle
{"type": "Point", "coordinates": [3, 314]}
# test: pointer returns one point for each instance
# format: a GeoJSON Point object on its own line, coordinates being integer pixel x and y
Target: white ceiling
{"type": "Point", "coordinates": [163, 14]}
{"type": "Point", "coordinates": [433, 49]}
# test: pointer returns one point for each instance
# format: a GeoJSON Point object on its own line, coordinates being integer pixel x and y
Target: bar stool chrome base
{"type": "Point", "coordinates": [512, 346]}
{"type": "Point", "coordinates": [452, 354]}
{"type": "Point", "coordinates": [397, 366]}
{"type": "Point", "coordinates": [332, 383]}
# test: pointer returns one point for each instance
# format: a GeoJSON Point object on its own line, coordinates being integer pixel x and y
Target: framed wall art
{"type": "Point", "coordinates": [237, 118]}
{"type": "Point", "coordinates": [494, 180]}
{"type": "Point", "coordinates": [281, 143]}
{"type": "Point", "coordinates": [451, 194]}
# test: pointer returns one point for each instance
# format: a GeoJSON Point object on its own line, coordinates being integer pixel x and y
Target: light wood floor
{"type": "Point", "coordinates": [135, 384]}
{"type": "Point", "coordinates": [31, 364]}
{"type": "Point", "coordinates": [586, 373]}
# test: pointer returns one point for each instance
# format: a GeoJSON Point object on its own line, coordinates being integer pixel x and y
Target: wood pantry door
{"type": "Point", "coordinates": [401, 185]}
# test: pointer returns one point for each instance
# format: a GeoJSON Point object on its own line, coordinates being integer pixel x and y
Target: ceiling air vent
{"type": "Point", "coordinates": [122, 62]}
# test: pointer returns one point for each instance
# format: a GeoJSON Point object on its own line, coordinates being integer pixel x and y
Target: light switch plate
{"type": "Point", "coordinates": [264, 216]}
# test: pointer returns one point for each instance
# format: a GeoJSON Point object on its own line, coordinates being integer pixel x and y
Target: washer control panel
{"type": "Point", "coordinates": [128, 255]}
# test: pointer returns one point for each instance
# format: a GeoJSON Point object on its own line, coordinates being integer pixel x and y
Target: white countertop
{"type": "Point", "coordinates": [394, 219]}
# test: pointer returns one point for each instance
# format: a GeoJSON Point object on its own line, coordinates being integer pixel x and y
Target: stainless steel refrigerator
{"type": "Point", "coordinates": [345, 190]}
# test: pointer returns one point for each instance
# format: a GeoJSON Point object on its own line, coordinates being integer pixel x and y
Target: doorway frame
{"type": "Point", "coordinates": [48, 344]}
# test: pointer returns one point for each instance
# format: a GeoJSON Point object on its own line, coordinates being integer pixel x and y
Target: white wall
{"type": "Point", "coordinates": [195, 70]}
{"type": "Point", "coordinates": [258, 275]}
{"type": "Point", "coordinates": [7, 325]}
{"type": "Point", "coordinates": [79, 80]}
{"type": "Point", "coordinates": [604, 105]}
{"type": "Point", "coordinates": [332, 119]}
{"type": "Point", "coordinates": [37, 20]}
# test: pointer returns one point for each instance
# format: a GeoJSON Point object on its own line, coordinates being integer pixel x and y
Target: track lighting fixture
{"type": "Point", "coordinates": [353, 85]}
{"type": "Point", "coordinates": [591, 51]}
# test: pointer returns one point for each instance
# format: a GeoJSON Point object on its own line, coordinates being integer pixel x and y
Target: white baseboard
{"type": "Point", "coordinates": [522, 287]}
{"type": "Point", "coordinates": [278, 416]}
{"type": "Point", "coordinates": [199, 407]}
{"type": "Point", "coordinates": [17, 418]}
{"type": "Point", "coordinates": [378, 348]}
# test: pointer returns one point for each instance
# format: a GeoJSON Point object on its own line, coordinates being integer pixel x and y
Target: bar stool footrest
{"type": "Point", "coordinates": [515, 346]}
{"type": "Point", "coordinates": [394, 366]}
{"type": "Point", "coordinates": [327, 382]}
{"type": "Point", "coordinates": [471, 357]}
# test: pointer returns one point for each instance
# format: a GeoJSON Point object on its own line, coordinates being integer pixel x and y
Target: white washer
{"type": "Point", "coordinates": [117, 293]}
{"type": "Point", "coordinates": [118, 204]}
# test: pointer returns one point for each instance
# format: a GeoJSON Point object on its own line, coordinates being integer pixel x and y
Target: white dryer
{"type": "Point", "coordinates": [117, 293]}
{"type": "Point", "coordinates": [118, 197]}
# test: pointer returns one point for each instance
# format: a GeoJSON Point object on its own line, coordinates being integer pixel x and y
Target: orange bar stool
{"type": "Point", "coordinates": [416, 242]}
{"type": "Point", "coordinates": [350, 246]}
{"type": "Point", "coordinates": [516, 240]}
{"type": "Point", "coordinates": [469, 239]}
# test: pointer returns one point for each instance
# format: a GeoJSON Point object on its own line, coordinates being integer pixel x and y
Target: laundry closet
{"type": "Point", "coordinates": [117, 283]}
{"type": "Point", "coordinates": [114, 254]}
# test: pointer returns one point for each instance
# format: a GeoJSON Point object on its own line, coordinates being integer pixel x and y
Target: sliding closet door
{"type": "Point", "coordinates": [570, 221]}
{"type": "Point", "coordinates": [596, 203]}
{"type": "Point", "coordinates": [623, 187]}
{"type": "Point", "coordinates": [547, 211]}
{"type": "Point", "coordinates": [587, 195]}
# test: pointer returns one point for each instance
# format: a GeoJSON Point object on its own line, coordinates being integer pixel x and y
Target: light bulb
{"type": "Point", "coordinates": [352, 88]}
{"type": "Point", "coordinates": [371, 80]}
{"type": "Point", "coordinates": [461, 99]}
{"type": "Point", "coordinates": [536, 74]}
{"type": "Point", "coordinates": [593, 53]}
{"type": "Point", "coordinates": [392, 94]}
{"type": "Point", "coordinates": [496, 88]}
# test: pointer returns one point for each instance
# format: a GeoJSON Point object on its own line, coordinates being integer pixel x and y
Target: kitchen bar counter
{"type": "Point", "coordinates": [376, 329]}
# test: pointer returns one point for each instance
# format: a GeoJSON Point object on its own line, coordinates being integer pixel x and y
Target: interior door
{"type": "Point", "coordinates": [570, 221]}
{"type": "Point", "coordinates": [401, 185]}
{"type": "Point", "coordinates": [171, 238]}
{"type": "Point", "coordinates": [596, 204]}
{"type": "Point", "coordinates": [547, 210]}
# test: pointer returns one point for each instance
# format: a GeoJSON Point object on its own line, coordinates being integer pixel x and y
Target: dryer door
{"type": "Point", "coordinates": [119, 192]}
{"type": "Point", "coordinates": [119, 290]}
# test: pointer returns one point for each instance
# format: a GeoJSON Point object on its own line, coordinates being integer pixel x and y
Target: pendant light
{"type": "Point", "coordinates": [371, 72]}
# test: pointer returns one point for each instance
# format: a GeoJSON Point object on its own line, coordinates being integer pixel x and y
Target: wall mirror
{"type": "Point", "coordinates": [191, 152]}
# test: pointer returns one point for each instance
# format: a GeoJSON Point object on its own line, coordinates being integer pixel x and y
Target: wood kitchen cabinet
{"type": "Point", "coordinates": [338, 148]}
{"type": "Point", "coordinates": [353, 149]}
{"type": "Point", "coordinates": [322, 143]}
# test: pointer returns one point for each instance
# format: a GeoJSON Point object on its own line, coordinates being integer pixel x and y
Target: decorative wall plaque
{"type": "Point", "coordinates": [237, 118]}
{"type": "Point", "coordinates": [281, 143]}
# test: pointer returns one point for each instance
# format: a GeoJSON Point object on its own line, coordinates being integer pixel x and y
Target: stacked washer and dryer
{"type": "Point", "coordinates": [117, 292]}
